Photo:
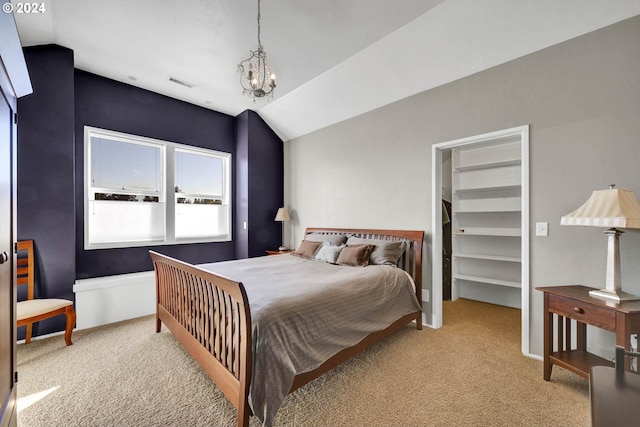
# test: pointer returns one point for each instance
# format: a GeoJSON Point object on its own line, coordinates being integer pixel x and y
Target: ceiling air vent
{"type": "Point", "coordinates": [181, 82]}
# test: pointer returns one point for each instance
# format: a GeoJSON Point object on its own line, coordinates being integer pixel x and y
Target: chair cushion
{"type": "Point", "coordinates": [36, 307]}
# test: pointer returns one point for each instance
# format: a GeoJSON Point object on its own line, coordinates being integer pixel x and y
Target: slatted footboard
{"type": "Point", "coordinates": [210, 316]}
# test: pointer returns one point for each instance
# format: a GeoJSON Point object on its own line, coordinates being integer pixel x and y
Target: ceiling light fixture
{"type": "Point", "coordinates": [255, 77]}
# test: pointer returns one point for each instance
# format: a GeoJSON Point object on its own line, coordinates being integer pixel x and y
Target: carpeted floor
{"type": "Point", "coordinates": [468, 373]}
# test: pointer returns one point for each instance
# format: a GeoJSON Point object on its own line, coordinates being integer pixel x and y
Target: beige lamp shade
{"type": "Point", "coordinates": [607, 208]}
{"type": "Point", "coordinates": [282, 215]}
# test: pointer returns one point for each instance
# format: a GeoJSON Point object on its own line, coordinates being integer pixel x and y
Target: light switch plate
{"type": "Point", "coordinates": [542, 229]}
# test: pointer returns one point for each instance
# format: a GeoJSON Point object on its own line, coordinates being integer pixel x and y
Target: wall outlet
{"type": "Point", "coordinates": [542, 229]}
{"type": "Point", "coordinates": [425, 295]}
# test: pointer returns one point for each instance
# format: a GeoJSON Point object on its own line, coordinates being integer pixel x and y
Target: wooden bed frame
{"type": "Point", "coordinates": [210, 315]}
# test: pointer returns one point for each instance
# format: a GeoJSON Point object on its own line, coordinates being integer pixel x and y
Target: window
{"type": "Point", "coordinates": [199, 192]}
{"type": "Point", "coordinates": [140, 191]}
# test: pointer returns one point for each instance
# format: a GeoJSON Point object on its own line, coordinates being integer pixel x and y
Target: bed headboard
{"type": "Point", "coordinates": [411, 260]}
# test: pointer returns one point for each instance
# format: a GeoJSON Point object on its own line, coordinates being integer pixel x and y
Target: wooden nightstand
{"type": "Point", "coordinates": [574, 303]}
{"type": "Point", "coordinates": [277, 252]}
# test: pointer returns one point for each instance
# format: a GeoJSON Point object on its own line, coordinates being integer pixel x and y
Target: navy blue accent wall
{"type": "Point", "coordinates": [51, 171]}
{"type": "Point", "coordinates": [241, 234]}
{"type": "Point", "coordinates": [46, 200]}
{"type": "Point", "coordinates": [107, 104]}
{"type": "Point", "coordinates": [260, 151]}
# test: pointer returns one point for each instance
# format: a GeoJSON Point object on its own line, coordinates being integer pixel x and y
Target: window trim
{"type": "Point", "coordinates": [167, 193]}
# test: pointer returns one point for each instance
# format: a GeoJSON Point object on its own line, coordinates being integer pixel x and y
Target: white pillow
{"type": "Point", "coordinates": [328, 252]}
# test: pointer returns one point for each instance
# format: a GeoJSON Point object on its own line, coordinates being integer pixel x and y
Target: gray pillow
{"type": "Point", "coordinates": [334, 239]}
{"type": "Point", "coordinates": [385, 252]}
{"type": "Point", "coordinates": [328, 252]}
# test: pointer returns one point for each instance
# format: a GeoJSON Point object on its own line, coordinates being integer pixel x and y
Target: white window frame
{"type": "Point", "coordinates": [166, 194]}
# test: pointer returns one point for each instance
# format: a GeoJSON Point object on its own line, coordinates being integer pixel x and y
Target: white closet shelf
{"type": "Point", "coordinates": [488, 231]}
{"type": "Point", "coordinates": [488, 165]}
{"type": "Point", "coordinates": [478, 279]}
{"type": "Point", "coordinates": [488, 210]}
{"type": "Point", "coordinates": [489, 188]}
{"type": "Point", "coordinates": [490, 257]}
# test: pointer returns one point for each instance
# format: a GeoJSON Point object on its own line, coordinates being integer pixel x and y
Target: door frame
{"type": "Point", "coordinates": [436, 221]}
{"type": "Point", "coordinates": [8, 409]}
{"type": "Point", "coordinates": [14, 83]}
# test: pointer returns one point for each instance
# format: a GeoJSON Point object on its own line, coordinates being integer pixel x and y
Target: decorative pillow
{"type": "Point", "coordinates": [334, 239]}
{"type": "Point", "coordinates": [355, 255]}
{"type": "Point", "coordinates": [385, 252]}
{"type": "Point", "coordinates": [306, 249]}
{"type": "Point", "coordinates": [328, 252]}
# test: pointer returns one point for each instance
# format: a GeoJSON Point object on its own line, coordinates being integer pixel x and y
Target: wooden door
{"type": "Point", "coordinates": [7, 294]}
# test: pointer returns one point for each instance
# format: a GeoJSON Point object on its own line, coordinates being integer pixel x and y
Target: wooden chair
{"type": "Point", "coordinates": [33, 309]}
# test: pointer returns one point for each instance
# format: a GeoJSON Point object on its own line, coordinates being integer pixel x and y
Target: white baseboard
{"type": "Point", "coordinates": [41, 337]}
{"type": "Point", "coordinates": [104, 300]}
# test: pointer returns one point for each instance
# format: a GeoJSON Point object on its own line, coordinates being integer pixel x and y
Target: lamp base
{"type": "Point", "coordinates": [284, 248]}
{"type": "Point", "coordinates": [618, 296]}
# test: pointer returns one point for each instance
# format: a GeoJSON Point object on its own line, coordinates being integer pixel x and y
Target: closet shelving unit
{"type": "Point", "coordinates": [486, 221]}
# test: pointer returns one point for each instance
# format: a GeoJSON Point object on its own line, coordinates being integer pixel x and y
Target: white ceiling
{"type": "Point", "coordinates": [334, 59]}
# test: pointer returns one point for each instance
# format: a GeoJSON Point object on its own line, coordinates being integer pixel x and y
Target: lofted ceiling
{"type": "Point", "coordinates": [334, 59]}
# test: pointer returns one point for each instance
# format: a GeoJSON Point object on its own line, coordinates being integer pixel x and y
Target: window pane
{"type": "Point", "coordinates": [198, 174]}
{"type": "Point", "coordinates": [125, 166]}
{"type": "Point", "coordinates": [202, 221]}
{"type": "Point", "coordinates": [115, 221]}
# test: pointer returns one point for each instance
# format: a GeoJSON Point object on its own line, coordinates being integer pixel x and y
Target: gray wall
{"type": "Point", "coordinates": [581, 99]}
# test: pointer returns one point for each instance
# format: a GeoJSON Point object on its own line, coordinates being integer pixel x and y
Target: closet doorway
{"type": "Point", "coordinates": [489, 223]}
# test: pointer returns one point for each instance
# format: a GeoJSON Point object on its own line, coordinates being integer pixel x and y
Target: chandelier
{"type": "Point", "coordinates": [256, 78]}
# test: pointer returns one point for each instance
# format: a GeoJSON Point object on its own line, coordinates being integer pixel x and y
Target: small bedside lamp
{"type": "Point", "coordinates": [609, 208]}
{"type": "Point", "coordinates": [282, 216]}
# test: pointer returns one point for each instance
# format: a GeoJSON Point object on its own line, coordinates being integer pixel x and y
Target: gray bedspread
{"type": "Point", "coordinates": [303, 312]}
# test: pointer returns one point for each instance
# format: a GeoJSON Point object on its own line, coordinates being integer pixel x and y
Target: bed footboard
{"type": "Point", "coordinates": [210, 316]}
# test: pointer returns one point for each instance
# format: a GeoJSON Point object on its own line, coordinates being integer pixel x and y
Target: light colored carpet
{"type": "Point", "coordinates": [468, 373]}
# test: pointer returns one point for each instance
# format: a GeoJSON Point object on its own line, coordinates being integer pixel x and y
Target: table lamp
{"type": "Point", "coordinates": [282, 216]}
{"type": "Point", "coordinates": [609, 208]}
